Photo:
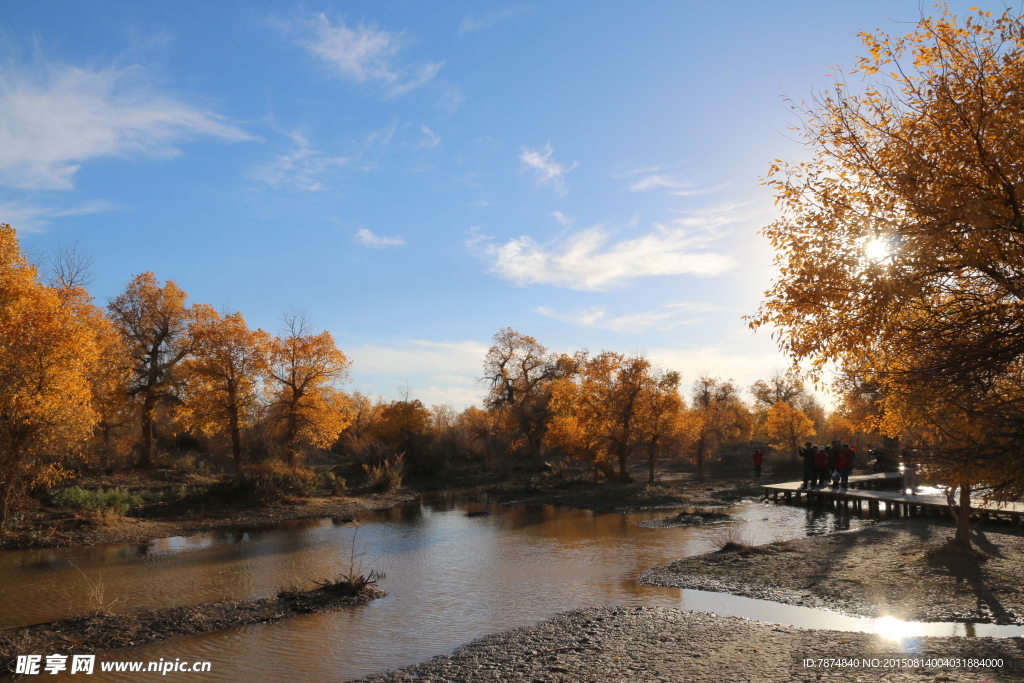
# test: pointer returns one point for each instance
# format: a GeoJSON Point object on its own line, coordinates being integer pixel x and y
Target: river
{"type": "Point", "coordinates": [451, 577]}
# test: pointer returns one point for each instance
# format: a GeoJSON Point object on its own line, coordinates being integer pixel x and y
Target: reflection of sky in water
{"type": "Point", "coordinates": [807, 617]}
{"type": "Point", "coordinates": [451, 578]}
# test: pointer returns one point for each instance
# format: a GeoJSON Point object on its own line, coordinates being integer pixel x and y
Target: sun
{"type": "Point", "coordinates": [876, 249]}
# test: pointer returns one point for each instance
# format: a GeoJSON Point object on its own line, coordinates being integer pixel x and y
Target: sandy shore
{"type": "Point", "coordinates": [894, 568]}
{"type": "Point", "coordinates": [663, 644]}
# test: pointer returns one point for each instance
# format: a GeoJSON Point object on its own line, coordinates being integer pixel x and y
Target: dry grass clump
{"type": "Point", "coordinates": [736, 538]}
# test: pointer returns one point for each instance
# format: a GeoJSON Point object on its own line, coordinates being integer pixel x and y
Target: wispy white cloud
{"type": "Point", "coordinates": [362, 55]}
{"type": "Point", "coordinates": [668, 317]}
{"type": "Point", "coordinates": [592, 259]}
{"type": "Point", "coordinates": [546, 170]}
{"type": "Point", "coordinates": [654, 181]}
{"type": "Point", "coordinates": [369, 239]}
{"type": "Point", "coordinates": [438, 372]}
{"type": "Point", "coordinates": [567, 221]}
{"type": "Point", "coordinates": [492, 18]}
{"type": "Point", "coordinates": [33, 217]}
{"type": "Point", "coordinates": [54, 118]}
{"type": "Point", "coordinates": [711, 218]}
{"type": "Point", "coordinates": [306, 168]}
{"type": "Point", "coordinates": [744, 367]}
{"type": "Point", "coordinates": [302, 168]}
{"type": "Point", "coordinates": [432, 139]}
{"type": "Point", "coordinates": [679, 188]}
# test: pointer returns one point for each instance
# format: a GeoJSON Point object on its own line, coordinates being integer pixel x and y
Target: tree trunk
{"type": "Point", "coordinates": [700, 460]}
{"type": "Point", "coordinates": [146, 446]}
{"type": "Point", "coordinates": [623, 473]}
{"type": "Point", "coordinates": [961, 516]}
{"type": "Point", "coordinates": [236, 439]}
{"type": "Point", "coordinates": [607, 469]}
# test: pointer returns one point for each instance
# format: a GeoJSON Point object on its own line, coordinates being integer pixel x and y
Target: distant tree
{"type": "Point", "coordinates": [785, 386]}
{"type": "Point", "coordinates": [714, 417]}
{"type": "Point", "coordinates": [616, 407]}
{"type": "Point", "coordinates": [153, 321]}
{"type": "Point", "coordinates": [787, 426]}
{"type": "Point", "coordinates": [304, 370]}
{"type": "Point", "coordinates": [48, 352]}
{"type": "Point", "coordinates": [405, 426]}
{"type": "Point", "coordinates": [519, 372]}
{"type": "Point", "coordinates": [222, 376]}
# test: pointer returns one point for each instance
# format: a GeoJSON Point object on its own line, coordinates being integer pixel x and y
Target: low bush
{"type": "Point", "coordinates": [350, 584]}
{"type": "Point", "coordinates": [118, 500]}
{"type": "Point", "coordinates": [733, 537]}
{"type": "Point", "coordinates": [274, 479]}
{"type": "Point", "coordinates": [387, 476]}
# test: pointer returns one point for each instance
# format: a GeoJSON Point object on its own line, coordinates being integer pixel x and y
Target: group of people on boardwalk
{"type": "Point", "coordinates": [827, 465]}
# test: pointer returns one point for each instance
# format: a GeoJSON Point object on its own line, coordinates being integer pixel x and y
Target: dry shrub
{"type": "Point", "coordinates": [387, 476]}
{"type": "Point", "coordinates": [733, 537]}
{"type": "Point", "coordinates": [273, 480]}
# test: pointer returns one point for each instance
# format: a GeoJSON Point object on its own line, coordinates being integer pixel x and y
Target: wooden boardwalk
{"type": "Point", "coordinates": [893, 503]}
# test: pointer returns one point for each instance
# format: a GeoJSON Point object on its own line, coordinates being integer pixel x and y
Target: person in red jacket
{"type": "Point", "coordinates": [758, 459]}
{"type": "Point", "coordinates": [821, 467]}
{"type": "Point", "coordinates": [844, 463]}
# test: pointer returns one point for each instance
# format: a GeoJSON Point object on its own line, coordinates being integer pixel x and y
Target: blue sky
{"type": "Point", "coordinates": [417, 176]}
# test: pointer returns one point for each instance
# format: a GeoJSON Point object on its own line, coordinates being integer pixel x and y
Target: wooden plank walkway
{"type": "Point", "coordinates": [894, 503]}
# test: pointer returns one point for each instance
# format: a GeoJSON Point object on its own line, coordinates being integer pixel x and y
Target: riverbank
{"type": "Point", "coordinates": [897, 568]}
{"type": "Point", "coordinates": [670, 645]}
{"type": "Point", "coordinates": [43, 526]}
{"type": "Point", "coordinates": [638, 495]}
{"type": "Point", "coordinates": [57, 528]}
{"type": "Point", "coordinates": [105, 631]}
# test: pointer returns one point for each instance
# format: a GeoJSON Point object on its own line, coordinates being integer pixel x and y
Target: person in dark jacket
{"type": "Point", "coordinates": [810, 475]}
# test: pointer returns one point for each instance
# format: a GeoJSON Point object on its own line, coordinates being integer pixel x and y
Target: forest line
{"type": "Point", "coordinates": [153, 377]}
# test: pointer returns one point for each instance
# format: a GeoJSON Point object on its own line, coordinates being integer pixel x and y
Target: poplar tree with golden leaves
{"type": "Point", "coordinates": [787, 426]}
{"type": "Point", "coordinates": [614, 408]}
{"type": "Point", "coordinates": [713, 419]}
{"type": "Point", "coordinates": [901, 243]}
{"type": "Point", "coordinates": [48, 352]}
{"type": "Point", "coordinates": [153, 320]}
{"type": "Point", "coordinates": [520, 372]}
{"type": "Point", "coordinates": [303, 371]}
{"type": "Point", "coordinates": [222, 376]}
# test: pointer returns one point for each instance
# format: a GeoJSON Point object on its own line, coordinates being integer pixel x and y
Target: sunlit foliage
{"type": "Point", "coordinates": [153, 320]}
{"type": "Point", "coordinates": [614, 408]}
{"type": "Point", "coordinates": [305, 369]}
{"type": "Point", "coordinates": [48, 354]}
{"type": "Point", "coordinates": [222, 376]}
{"type": "Point", "coordinates": [788, 426]}
{"type": "Point", "coordinates": [901, 242]}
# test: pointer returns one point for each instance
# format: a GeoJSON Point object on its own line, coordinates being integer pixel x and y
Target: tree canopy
{"type": "Point", "coordinates": [901, 241]}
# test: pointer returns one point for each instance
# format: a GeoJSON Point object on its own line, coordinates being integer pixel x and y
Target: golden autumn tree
{"type": "Point", "coordinates": [714, 417]}
{"type": "Point", "coordinates": [520, 371]}
{"type": "Point", "coordinates": [616, 407]}
{"type": "Point", "coordinates": [222, 376]}
{"type": "Point", "coordinates": [912, 201]}
{"type": "Point", "coordinates": [153, 320]}
{"type": "Point", "coordinates": [48, 352]}
{"type": "Point", "coordinates": [787, 426]}
{"type": "Point", "coordinates": [303, 371]}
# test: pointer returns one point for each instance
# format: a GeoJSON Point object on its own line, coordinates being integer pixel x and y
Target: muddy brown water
{"type": "Point", "coordinates": [451, 577]}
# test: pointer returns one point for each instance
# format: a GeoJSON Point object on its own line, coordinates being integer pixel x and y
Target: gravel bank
{"type": "Point", "coordinates": [88, 634]}
{"type": "Point", "coordinates": [890, 569]}
{"type": "Point", "coordinates": [663, 644]}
